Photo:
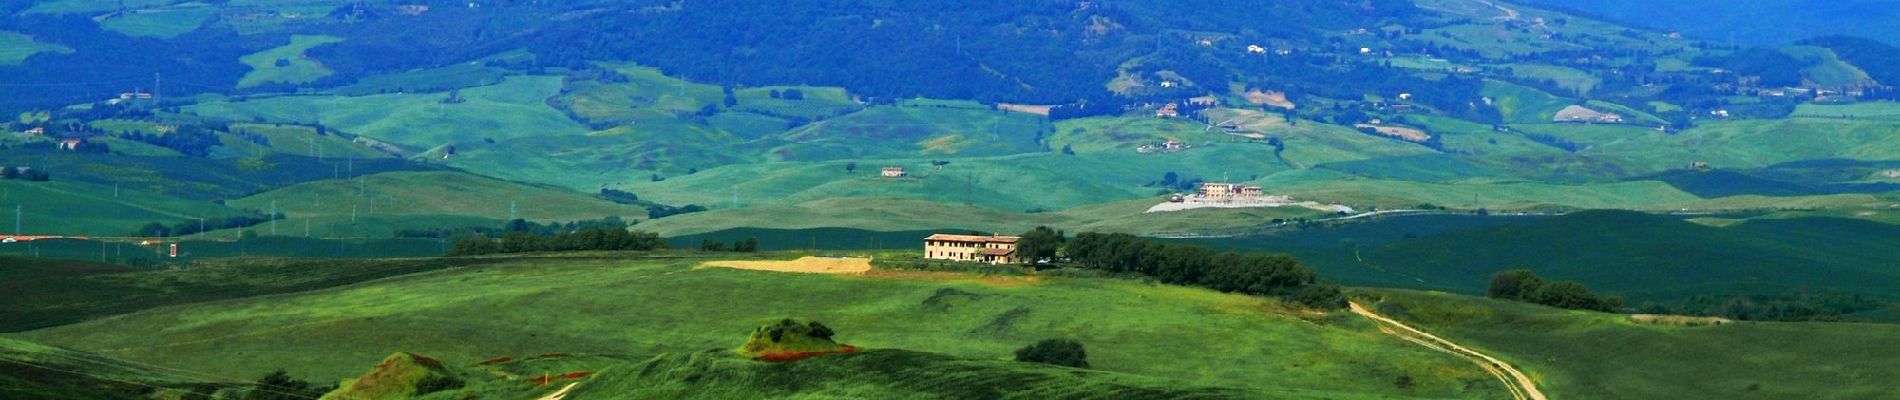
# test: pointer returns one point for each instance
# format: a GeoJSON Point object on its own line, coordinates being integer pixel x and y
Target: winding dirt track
{"type": "Point", "coordinates": [1520, 385]}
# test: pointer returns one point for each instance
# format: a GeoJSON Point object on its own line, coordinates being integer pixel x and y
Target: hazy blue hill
{"type": "Point", "coordinates": [1759, 22]}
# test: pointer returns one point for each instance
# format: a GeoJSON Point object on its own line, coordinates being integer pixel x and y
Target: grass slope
{"type": "Point", "coordinates": [15, 48]}
{"type": "Point", "coordinates": [286, 64]}
{"type": "Point", "coordinates": [432, 194]}
{"type": "Point", "coordinates": [1656, 257]}
{"type": "Point", "coordinates": [1576, 354]}
{"type": "Point", "coordinates": [579, 304]}
{"type": "Point", "coordinates": [514, 108]}
{"type": "Point", "coordinates": [81, 209]}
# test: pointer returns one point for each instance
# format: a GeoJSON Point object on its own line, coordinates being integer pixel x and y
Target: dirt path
{"type": "Point", "coordinates": [1520, 385]}
{"type": "Point", "coordinates": [560, 394]}
{"type": "Point", "coordinates": [809, 265]}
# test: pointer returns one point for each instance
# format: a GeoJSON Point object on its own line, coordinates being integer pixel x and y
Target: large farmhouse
{"type": "Point", "coordinates": [992, 249]}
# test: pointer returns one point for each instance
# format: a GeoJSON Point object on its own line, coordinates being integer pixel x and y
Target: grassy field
{"type": "Point", "coordinates": [886, 214]}
{"type": "Point", "coordinates": [1826, 68]}
{"type": "Point", "coordinates": [514, 108]}
{"type": "Point", "coordinates": [1577, 354]}
{"type": "Point", "coordinates": [457, 76]}
{"type": "Point", "coordinates": [646, 94]}
{"type": "Point", "coordinates": [911, 131]}
{"type": "Point", "coordinates": [434, 194]}
{"type": "Point", "coordinates": [1755, 143]}
{"type": "Point", "coordinates": [1578, 81]}
{"type": "Point", "coordinates": [15, 48]}
{"type": "Point", "coordinates": [1039, 181]}
{"type": "Point", "coordinates": [578, 304]}
{"type": "Point", "coordinates": [286, 64]}
{"type": "Point", "coordinates": [1524, 105]}
{"type": "Point", "coordinates": [1643, 257]}
{"type": "Point", "coordinates": [80, 209]}
{"type": "Point", "coordinates": [1878, 110]}
{"type": "Point", "coordinates": [161, 22]}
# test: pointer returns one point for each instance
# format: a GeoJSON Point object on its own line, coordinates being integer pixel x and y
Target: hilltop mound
{"type": "Point", "coordinates": [401, 375]}
{"type": "Point", "coordinates": [790, 340]}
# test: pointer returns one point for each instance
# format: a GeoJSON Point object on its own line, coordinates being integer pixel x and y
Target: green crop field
{"type": "Point", "coordinates": [1578, 354]}
{"type": "Point", "coordinates": [15, 48]}
{"type": "Point", "coordinates": [514, 108]}
{"type": "Point", "coordinates": [531, 306]}
{"type": "Point", "coordinates": [287, 64]}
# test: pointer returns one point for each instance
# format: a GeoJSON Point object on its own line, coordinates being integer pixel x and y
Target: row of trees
{"type": "Point", "coordinates": [1826, 305]}
{"type": "Point", "coordinates": [517, 225]}
{"type": "Point", "coordinates": [1253, 273]}
{"type": "Point", "coordinates": [193, 227]}
{"type": "Point", "coordinates": [1524, 285]}
{"type": "Point", "coordinates": [747, 245]}
{"type": "Point", "coordinates": [25, 174]}
{"type": "Point", "coordinates": [611, 239]}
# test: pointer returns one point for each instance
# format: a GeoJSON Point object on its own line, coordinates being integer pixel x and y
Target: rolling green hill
{"type": "Point", "coordinates": [514, 108]}
{"type": "Point", "coordinates": [528, 305]}
{"type": "Point", "coordinates": [80, 209]}
{"type": "Point", "coordinates": [1656, 257]}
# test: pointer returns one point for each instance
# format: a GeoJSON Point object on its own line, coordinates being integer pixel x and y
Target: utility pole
{"type": "Point", "coordinates": [158, 80]}
{"type": "Point", "coordinates": [201, 228]}
{"type": "Point", "coordinates": [273, 217]}
{"type": "Point", "coordinates": [511, 210]}
{"type": "Point", "coordinates": [16, 220]}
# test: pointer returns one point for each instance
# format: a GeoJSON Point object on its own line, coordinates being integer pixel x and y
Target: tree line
{"type": "Point", "coordinates": [1276, 275]}
{"type": "Point", "coordinates": [25, 174]}
{"type": "Point", "coordinates": [193, 227]}
{"type": "Point", "coordinates": [1525, 286]}
{"type": "Point", "coordinates": [605, 239]}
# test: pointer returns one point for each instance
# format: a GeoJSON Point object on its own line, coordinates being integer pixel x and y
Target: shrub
{"type": "Point", "coordinates": [1063, 352]}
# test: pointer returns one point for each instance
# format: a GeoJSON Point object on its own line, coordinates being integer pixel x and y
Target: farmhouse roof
{"type": "Point", "coordinates": [971, 238]}
{"type": "Point", "coordinates": [998, 252]}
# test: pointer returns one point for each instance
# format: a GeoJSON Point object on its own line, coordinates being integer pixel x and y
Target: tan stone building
{"type": "Point", "coordinates": [992, 249]}
{"type": "Point", "coordinates": [1221, 190]}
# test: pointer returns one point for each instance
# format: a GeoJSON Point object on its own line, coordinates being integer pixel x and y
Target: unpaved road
{"type": "Point", "coordinates": [1520, 385]}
